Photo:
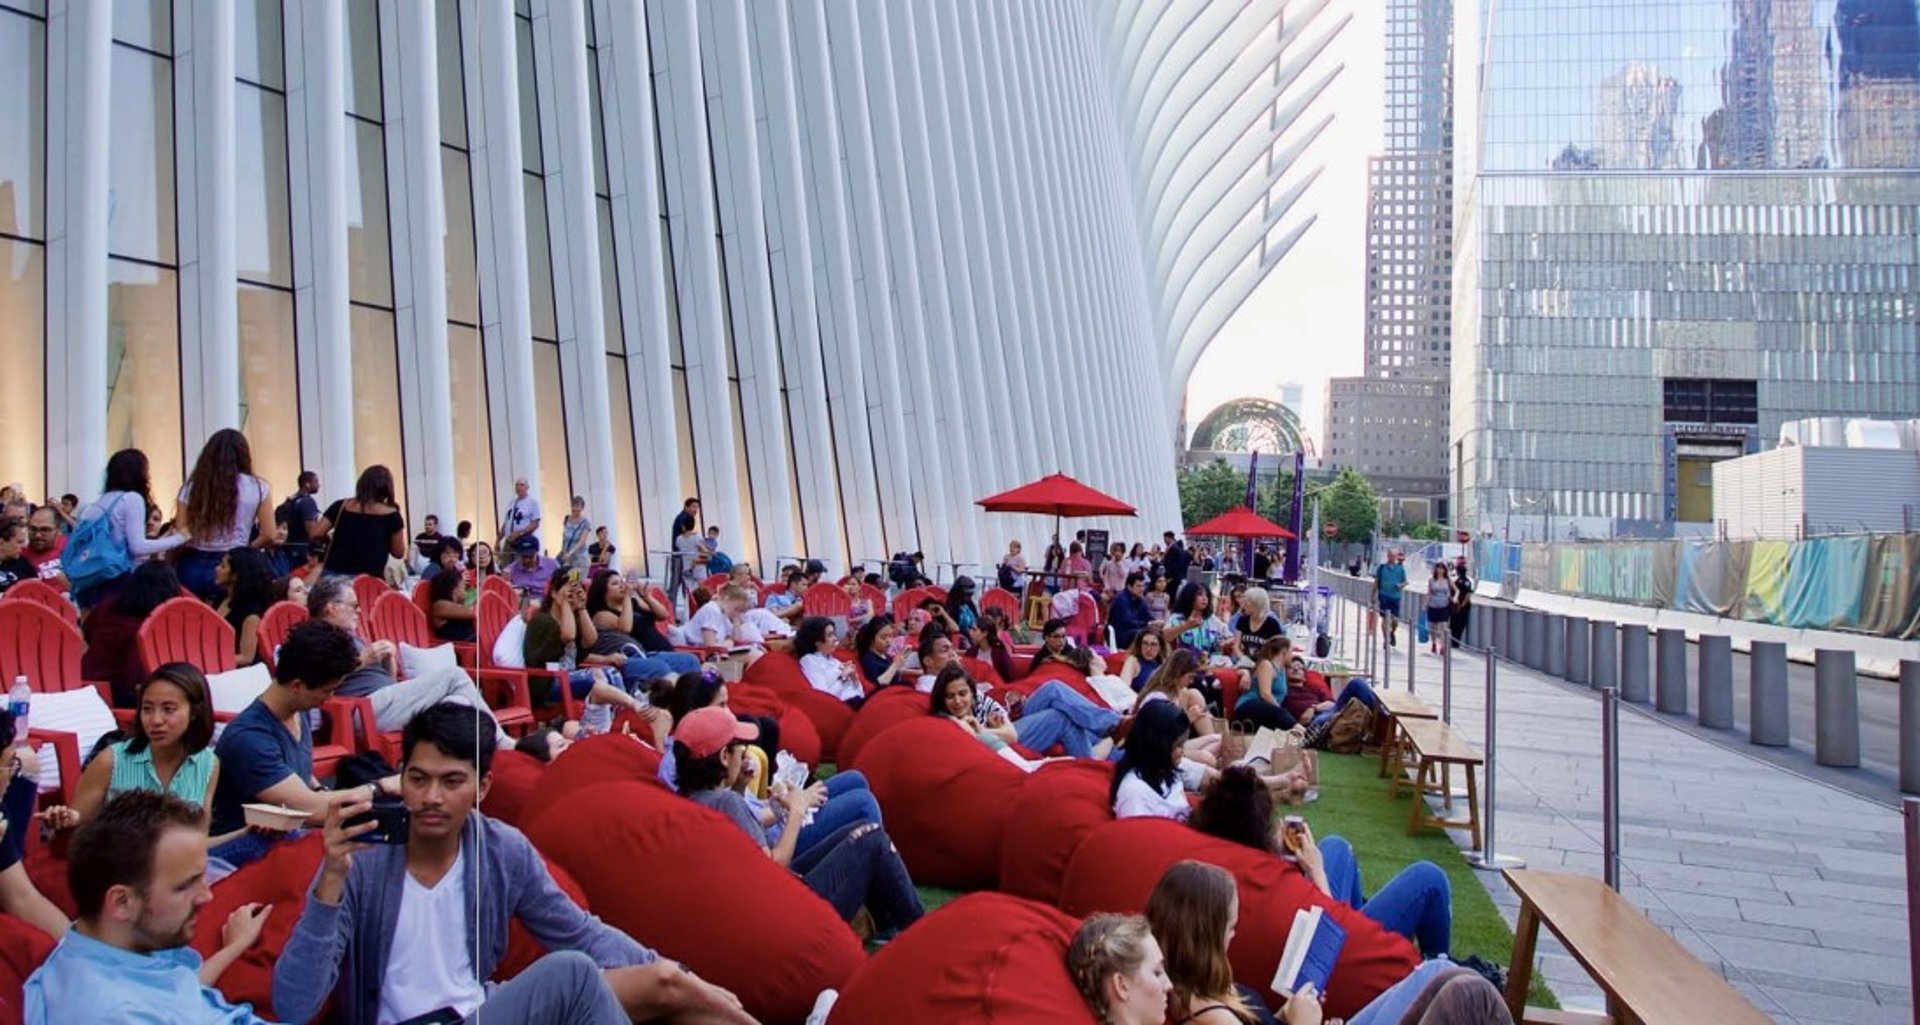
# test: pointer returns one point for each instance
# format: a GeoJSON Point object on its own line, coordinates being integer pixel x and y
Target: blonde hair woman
{"type": "Point", "coordinates": [1118, 968]}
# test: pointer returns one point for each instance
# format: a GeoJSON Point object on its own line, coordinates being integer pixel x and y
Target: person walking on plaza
{"type": "Point", "coordinates": [1390, 577]}
{"type": "Point", "coordinates": [1440, 600]}
{"type": "Point", "coordinates": [1462, 600]}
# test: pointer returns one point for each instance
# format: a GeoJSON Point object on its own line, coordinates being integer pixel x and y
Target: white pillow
{"type": "Point", "coordinates": [79, 711]}
{"type": "Point", "coordinates": [417, 662]}
{"type": "Point", "coordinates": [234, 690]}
{"type": "Point", "coordinates": [510, 648]}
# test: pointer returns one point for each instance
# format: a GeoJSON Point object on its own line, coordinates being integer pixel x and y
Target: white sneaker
{"type": "Point", "coordinates": [823, 1006]}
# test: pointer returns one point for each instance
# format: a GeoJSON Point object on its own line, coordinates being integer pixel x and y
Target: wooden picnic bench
{"type": "Point", "coordinates": [1647, 975]}
{"type": "Point", "coordinates": [1434, 748]}
{"type": "Point", "coordinates": [1396, 705]}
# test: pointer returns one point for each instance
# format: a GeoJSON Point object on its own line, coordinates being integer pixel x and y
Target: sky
{"type": "Point", "coordinates": [1304, 322]}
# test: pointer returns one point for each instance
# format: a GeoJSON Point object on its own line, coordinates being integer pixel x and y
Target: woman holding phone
{"type": "Point", "coordinates": [883, 651]}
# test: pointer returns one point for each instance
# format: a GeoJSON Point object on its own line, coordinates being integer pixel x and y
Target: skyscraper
{"type": "Point", "coordinates": [1683, 223]}
{"type": "Point", "coordinates": [1390, 422]}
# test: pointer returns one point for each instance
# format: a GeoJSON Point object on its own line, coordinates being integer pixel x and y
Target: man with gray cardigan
{"type": "Point", "coordinates": [412, 932]}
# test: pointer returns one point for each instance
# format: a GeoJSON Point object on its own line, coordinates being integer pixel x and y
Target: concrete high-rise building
{"type": "Point", "coordinates": [837, 269]}
{"type": "Point", "coordinates": [1390, 422]}
{"type": "Point", "coordinates": [1681, 223]}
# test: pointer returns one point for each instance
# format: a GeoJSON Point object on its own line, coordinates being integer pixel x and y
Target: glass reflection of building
{"type": "Point", "coordinates": [1682, 223]}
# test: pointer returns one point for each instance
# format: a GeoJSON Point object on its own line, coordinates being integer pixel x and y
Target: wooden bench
{"type": "Point", "coordinates": [1436, 748]}
{"type": "Point", "coordinates": [1647, 975]}
{"type": "Point", "coordinates": [1396, 705]}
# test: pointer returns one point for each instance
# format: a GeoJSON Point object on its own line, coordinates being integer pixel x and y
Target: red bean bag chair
{"type": "Point", "coordinates": [779, 672]}
{"type": "Point", "coordinates": [46, 866]}
{"type": "Point", "coordinates": [1065, 674]}
{"type": "Point", "coordinates": [982, 670]}
{"type": "Point", "coordinates": [1056, 808]}
{"type": "Point", "coordinates": [798, 736]}
{"type": "Point", "coordinates": [281, 879]}
{"type": "Point", "coordinates": [747, 699]}
{"type": "Point", "coordinates": [1115, 661]}
{"type": "Point", "coordinates": [985, 957]}
{"type": "Point", "coordinates": [522, 949]}
{"type": "Point", "coordinates": [886, 708]}
{"type": "Point", "coordinates": [512, 793]}
{"type": "Point", "coordinates": [704, 895]}
{"type": "Point", "coordinates": [22, 949]}
{"type": "Point", "coordinates": [947, 798]}
{"type": "Point", "coordinates": [1117, 865]}
{"type": "Point", "coordinates": [609, 756]}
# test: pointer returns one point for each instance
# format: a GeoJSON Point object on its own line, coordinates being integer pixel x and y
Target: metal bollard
{"type": "Point", "coordinates": [1633, 663]}
{"type": "Point", "coordinates": [1836, 709]}
{"type": "Point", "coordinates": [1610, 787]}
{"type": "Point", "coordinates": [1716, 681]}
{"type": "Point", "coordinates": [1556, 661]}
{"type": "Point", "coordinates": [1910, 732]}
{"type": "Point", "coordinates": [1486, 859]}
{"type": "Point", "coordinates": [1670, 671]}
{"type": "Point", "coordinates": [1606, 655]}
{"type": "Point", "coordinates": [1579, 659]}
{"type": "Point", "coordinates": [1534, 635]}
{"type": "Point", "coordinates": [1767, 703]}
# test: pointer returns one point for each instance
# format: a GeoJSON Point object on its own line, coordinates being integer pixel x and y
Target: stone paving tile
{"type": "Point", "coordinates": [1793, 890]}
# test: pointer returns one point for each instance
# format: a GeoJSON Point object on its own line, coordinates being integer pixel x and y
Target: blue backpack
{"type": "Point", "coordinates": [93, 556]}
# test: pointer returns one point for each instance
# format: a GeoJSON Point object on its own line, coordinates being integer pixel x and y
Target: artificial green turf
{"type": "Point", "coordinates": [1354, 804]}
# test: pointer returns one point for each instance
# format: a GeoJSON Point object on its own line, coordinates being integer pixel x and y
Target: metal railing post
{"type": "Point", "coordinates": [1767, 701]}
{"type": "Point", "coordinates": [1610, 787]}
{"type": "Point", "coordinates": [1488, 858]}
{"type": "Point", "coordinates": [1446, 684]}
{"type": "Point", "coordinates": [1911, 814]}
{"type": "Point", "coordinates": [1910, 730]}
{"type": "Point", "coordinates": [1413, 649]}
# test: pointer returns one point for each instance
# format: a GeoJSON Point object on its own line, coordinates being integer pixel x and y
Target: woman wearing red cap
{"type": "Point", "coordinates": [854, 867]}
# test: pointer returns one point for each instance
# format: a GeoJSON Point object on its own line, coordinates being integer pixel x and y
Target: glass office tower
{"type": "Point", "coordinates": [1682, 222]}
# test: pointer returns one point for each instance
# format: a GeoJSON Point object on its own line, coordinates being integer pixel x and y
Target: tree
{"type": "Point", "coordinates": [1209, 490]}
{"type": "Point", "coordinates": [1350, 506]}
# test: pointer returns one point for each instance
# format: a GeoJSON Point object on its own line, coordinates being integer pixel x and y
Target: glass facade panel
{"type": "Point", "coordinates": [540, 260]}
{"type": "Point", "coordinates": [376, 395]}
{"type": "Point", "coordinates": [463, 279]}
{"type": "Point", "coordinates": [609, 283]}
{"type": "Point", "coordinates": [549, 404]}
{"type": "Point", "coordinates": [262, 210]}
{"type": "Point", "coordinates": [369, 273]}
{"type": "Point", "coordinates": [140, 203]}
{"type": "Point", "coordinates": [147, 24]}
{"type": "Point", "coordinates": [530, 156]}
{"type": "Point", "coordinates": [143, 368]}
{"type": "Point", "coordinates": [363, 59]}
{"type": "Point", "coordinates": [269, 384]}
{"type": "Point", "coordinates": [627, 521]}
{"type": "Point", "coordinates": [473, 493]}
{"type": "Point", "coordinates": [739, 539]}
{"type": "Point", "coordinates": [23, 291]}
{"type": "Point", "coordinates": [259, 49]}
{"type": "Point", "coordinates": [453, 91]}
{"type": "Point", "coordinates": [23, 126]}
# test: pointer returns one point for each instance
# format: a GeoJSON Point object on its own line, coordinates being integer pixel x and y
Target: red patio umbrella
{"type": "Point", "coordinates": [1240, 521]}
{"type": "Point", "coordinates": [1056, 495]}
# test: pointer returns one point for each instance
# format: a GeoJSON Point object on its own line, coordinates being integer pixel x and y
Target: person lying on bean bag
{"type": "Point", "coordinates": [854, 867]}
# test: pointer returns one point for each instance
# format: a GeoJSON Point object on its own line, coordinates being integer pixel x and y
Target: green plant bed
{"type": "Point", "coordinates": [1354, 804]}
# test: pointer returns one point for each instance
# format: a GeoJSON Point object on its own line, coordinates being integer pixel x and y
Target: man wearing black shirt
{"type": "Point", "coordinates": [297, 515]}
{"type": "Point", "coordinates": [13, 566]}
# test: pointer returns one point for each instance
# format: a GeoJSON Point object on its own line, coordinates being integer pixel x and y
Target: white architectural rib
{"type": "Point", "coordinates": [1247, 36]}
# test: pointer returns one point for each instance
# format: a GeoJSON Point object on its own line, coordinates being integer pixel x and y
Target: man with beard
{"type": "Point", "coordinates": [138, 871]}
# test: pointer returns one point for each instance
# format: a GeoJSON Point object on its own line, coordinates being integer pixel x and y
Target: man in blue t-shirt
{"type": "Point", "coordinates": [266, 752]}
{"type": "Point", "coordinates": [1391, 577]}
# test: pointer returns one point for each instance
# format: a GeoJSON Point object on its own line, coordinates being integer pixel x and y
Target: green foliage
{"type": "Point", "coordinates": [1419, 531]}
{"type": "Point", "coordinates": [1209, 490]}
{"type": "Point", "coordinates": [1350, 505]}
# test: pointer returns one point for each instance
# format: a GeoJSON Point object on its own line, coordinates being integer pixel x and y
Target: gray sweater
{"type": "Point", "coordinates": [343, 949]}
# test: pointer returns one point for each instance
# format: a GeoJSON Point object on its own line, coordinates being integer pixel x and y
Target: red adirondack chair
{"type": "Point", "coordinates": [279, 618]}
{"type": "Point", "coordinates": [1002, 599]}
{"type": "Point", "coordinates": [908, 600]}
{"type": "Point", "coordinates": [492, 617]}
{"type": "Point", "coordinates": [37, 644]}
{"type": "Point", "coordinates": [368, 589]}
{"type": "Point", "coordinates": [43, 593]}
{"type": "Point", "coordinates": [397, 619]}
{"type": "Point", "coordinates": [824, 599]}
{"type": "Point", "coordinates": [187, 630]}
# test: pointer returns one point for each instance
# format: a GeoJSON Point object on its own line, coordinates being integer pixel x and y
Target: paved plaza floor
{"type": "Point", "coordinates": [1796, 891]}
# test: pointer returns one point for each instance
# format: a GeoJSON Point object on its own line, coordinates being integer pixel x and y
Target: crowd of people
{"type": "Point", "coordinates": [160, 811]}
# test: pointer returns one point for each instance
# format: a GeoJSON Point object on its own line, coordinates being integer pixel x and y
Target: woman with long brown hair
{"type": "Point", "coordinates": [219, 508]}
{"type": "Point", "coordinates": [1193, 911]}
{"type": "Point", "coordinates": [366, 530]}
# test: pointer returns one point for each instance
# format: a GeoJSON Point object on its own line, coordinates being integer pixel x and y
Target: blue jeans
{"type": "Point", "coordinates": [858, 866]}
{"type": "Point", "coordinates": [1389, 1007]}
{"type": "Point", "coordinates": [1355, 688]}
{"type": "Point", "coordinates": [1417, 903]}
{"type": "Point", "coordinates": [849, 800]}
{"type": "Point", "coordinates": [1057, 714]}
{"type": "Point", "coordinates": [249, 847]}
{"type": "Point", "coordinates": [195, 570]}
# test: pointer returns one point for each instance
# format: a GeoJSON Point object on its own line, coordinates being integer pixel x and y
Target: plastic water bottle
{"type": "Point", "coordinates": [596, 719]}
{"type": "Point", "coordinates": [19, 702]}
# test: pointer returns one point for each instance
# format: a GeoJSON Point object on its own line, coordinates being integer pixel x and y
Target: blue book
{"type": "Point", "coordinates": [1312, 948]}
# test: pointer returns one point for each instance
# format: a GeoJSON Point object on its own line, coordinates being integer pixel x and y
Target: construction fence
{"type": "Point", "coordinates": [1869, 583]}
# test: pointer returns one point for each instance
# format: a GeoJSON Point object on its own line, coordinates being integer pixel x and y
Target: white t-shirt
{"type": "Point", "coordinates": [829, 675]}
{"type": "Point", "coordinates": [246, 506]}
{"type": "Point", "coordinates": [710, 617]}
{"type": "Point", "coordinates": [1138, 799]}
{"type": "Point", "coordinates": [764, 624]}
{"type": "Point", "coordinates": [522, 512]}
{"type": "Point", "coordinates": [430, 966]}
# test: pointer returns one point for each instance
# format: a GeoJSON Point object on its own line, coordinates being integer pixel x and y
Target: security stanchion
{"type": "Point", "coordinates": [1610, 787]}
{"type": "Point", "coordinates": [1487, 858]}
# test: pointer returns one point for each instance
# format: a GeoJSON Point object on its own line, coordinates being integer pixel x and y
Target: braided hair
{"type": "Point", "coordinates": [1105, 945]}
